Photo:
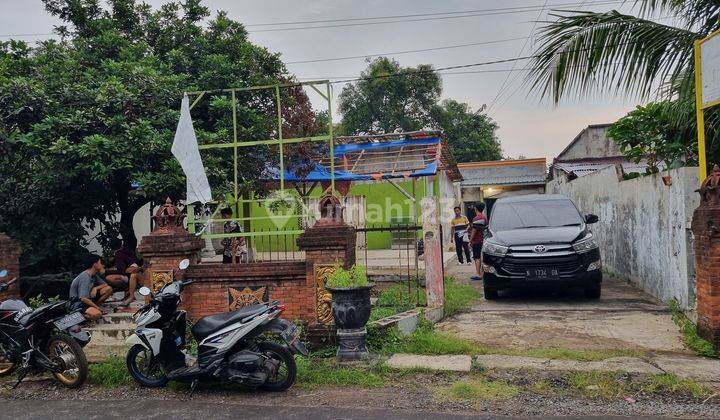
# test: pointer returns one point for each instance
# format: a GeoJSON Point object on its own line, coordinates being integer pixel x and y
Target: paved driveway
{"type": "Point", "coordinates": [624, 318]}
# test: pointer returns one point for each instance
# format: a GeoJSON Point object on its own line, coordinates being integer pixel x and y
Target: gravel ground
{"type": "Point", "coordinates": [412, 392]}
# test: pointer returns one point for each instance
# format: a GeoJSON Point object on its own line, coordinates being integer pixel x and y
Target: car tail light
{"type": "Point", "coordinates": [281, 308]}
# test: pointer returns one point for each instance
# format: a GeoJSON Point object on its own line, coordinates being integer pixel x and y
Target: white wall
{"type": "Point", "coordinates": [644, 228]}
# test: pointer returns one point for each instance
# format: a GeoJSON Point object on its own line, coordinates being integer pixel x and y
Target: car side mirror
{"type": "Point", "coordinates": [145, 291]}
{"type": "Point", "coordinates": [591, 218]}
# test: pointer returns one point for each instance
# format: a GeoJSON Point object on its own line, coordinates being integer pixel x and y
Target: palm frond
{"type": "Point", "coordinates": [612, 51]}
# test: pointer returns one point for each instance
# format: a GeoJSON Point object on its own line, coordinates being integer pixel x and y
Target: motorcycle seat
{"type": "Point", "coordinates": [210, 324]}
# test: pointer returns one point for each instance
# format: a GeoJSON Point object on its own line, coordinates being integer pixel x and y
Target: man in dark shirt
{"type": "Point", "coordinates": [126, 273]}
{"type": "Point", "coordinates": [477, 233]}
{"type": "Point", "coordinates": [89, 288]}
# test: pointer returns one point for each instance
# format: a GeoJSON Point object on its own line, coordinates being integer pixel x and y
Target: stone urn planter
{"type": "Point", "coordinates": [351, 312]}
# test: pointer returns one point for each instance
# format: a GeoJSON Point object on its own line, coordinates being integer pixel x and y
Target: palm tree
{"type": "Point", "coordinates": [582, 52]}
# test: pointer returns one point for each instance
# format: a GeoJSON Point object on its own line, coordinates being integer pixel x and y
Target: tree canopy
{"type": "Point", "coordinates": [648, 133]}
{"type": "Point", "coordinates": [86, 123]}
{"type": "Point", "coordinates": [390, 98]}
{"type": "Point", "coordinates": [581, 53]}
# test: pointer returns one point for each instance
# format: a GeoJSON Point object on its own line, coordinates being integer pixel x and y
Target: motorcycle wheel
{"type": "Point", "coordinates": [284, 378]}
{"type": "Point", "coordinates": [144, 367]}
{"type": "Point", "coordinates": [64, 348]}
{"type": "Point", "coordinates": [6, 366]}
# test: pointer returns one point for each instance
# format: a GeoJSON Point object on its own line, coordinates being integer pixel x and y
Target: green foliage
{"type": "Point", "coordinates": [111, 373]}
{"type": "Point", "coordinates": [670, 383]}
{"type": "Point", "coordinates": [478, 389]}
{"type": "Point", "coordinates": [313, 372]}
{"type": "Point", "coordinates": [390, 98]}
{"type": "Point", "coordinates": [396, 299]}
{"type": "Point", "coordinates": [459, 296]}
{"type": "Point", "coordinates": [690, 334]}
{"type": "Point", "coordinates": [617, 384]}
{"type": "Point", "coordinates": [40, 300]}
{"type": "Point", "coordinates": [580, 53]}
{"type": "Point", "coordinates": [84, 118]}
{"type": "Point", "coordinates": [472, 135]}
{"type": "Point", "coordinates": [354, 277]}
{"type": "Point", "coordinates": [650, 133]}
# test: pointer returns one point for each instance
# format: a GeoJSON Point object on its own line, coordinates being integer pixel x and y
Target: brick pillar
{"type": "Point", "coordinates": [330, 242]}
{"type": "Point", "coordinates": [10, 261]}
{"type": "Point", "coordinates": [706, 229]}
{"type": "Point", "coordinates": [167, 245]}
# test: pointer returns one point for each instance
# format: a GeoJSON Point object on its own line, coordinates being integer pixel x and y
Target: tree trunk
{"type": "Point", "coordinates": [128, 207]}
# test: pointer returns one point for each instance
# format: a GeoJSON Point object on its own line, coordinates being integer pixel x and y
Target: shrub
{"type": "Point", "coordinates": [40, 300]}
{"type": "Point", "coordinates": [354, 277]}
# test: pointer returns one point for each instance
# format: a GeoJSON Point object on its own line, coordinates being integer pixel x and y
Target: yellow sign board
{"type": "Point", "coordinates": [707, 88]}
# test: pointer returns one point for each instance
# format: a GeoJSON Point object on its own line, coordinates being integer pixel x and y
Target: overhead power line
{"type": "Point", "coordinates": [418, 17]}
{"type": "Point", "coordinates": [405, 52]}
{"type": "Point", "coordinates": [499, 9]}
{"type": "Point", "coordinates": [436, 18]}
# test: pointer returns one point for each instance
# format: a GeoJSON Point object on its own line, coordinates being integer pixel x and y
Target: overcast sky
{"type": "Point", "coordinates": [528, 126]}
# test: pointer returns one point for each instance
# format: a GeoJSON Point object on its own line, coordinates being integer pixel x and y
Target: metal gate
{"type": "Point", "coordinates": [393, 252]}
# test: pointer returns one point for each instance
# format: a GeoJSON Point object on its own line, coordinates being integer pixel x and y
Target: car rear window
{"type": "Point", "coordinates": [530, 214]}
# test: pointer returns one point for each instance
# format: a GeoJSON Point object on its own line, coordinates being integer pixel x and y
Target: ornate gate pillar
{"type": "Point", "coordinates": [706, 229]}
{"type": "Point", "coordinates": [328, 243]}
{"type": "Point", "coordinates": [167, 245]}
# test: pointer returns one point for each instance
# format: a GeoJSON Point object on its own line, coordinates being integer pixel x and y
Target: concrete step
{"type": "Point", "coordinates": [111, 333]}
{"type": "Point", "coordinates": [117, 318]}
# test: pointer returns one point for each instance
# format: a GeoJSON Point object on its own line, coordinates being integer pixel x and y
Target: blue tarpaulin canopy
{"type": "Point", "coordinates": [406, 158]}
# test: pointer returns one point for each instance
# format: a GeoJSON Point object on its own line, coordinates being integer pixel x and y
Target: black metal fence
{"type": "Point", "coordinates": [392, 252]}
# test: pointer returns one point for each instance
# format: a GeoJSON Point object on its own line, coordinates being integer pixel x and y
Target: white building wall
{"type": "Point", "coordinates": [644, 227]}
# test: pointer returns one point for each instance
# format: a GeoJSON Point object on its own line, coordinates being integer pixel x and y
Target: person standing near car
{"type": "Point", "coordinates": [477, 233]}
{"type": "Point", "coordinates": [459, 230]}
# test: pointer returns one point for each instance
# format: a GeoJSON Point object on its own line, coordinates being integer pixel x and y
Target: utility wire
{"type": "Point", "coordinates": [499, 9]}
{"type": "Point", "coordinates": [345, 25]}
{"type": "Point", "coordinates": [522, 50]}
{"type": "Point", "coordinates": [352, 57]}
{"type": "Point", "coordinates": [428, 16]}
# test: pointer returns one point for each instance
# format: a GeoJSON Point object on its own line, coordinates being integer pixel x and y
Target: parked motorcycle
{"type": "Point", "coordinates": [232, 346]}
{"type": "Point", "coordinates": [48, 338]}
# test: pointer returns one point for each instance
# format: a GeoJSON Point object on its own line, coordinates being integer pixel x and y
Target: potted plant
{"type": "Point", "coordinates": [351, 310]}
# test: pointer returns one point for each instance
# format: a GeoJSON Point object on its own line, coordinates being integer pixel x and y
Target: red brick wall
{"type": "Point", "coordinates": [286, 281]}
{"type": "Point", "coordinates": [9, 260]}
{"type": "Point", "coordinates": [707, 267]}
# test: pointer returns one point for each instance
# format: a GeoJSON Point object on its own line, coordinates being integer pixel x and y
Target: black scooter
{"type": "Point", "coordinates": [48, 338]}
{"type": "Point", "coordinates": [231, 346]}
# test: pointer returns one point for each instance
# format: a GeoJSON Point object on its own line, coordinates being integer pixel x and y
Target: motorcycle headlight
{"type": "Point", "coordinates": [494, 249]}
{"type": "Point", "coordinates": [585, 244]}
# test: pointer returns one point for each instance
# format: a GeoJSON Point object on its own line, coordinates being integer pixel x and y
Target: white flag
{"type": "Point", "coordinates": [185, 149]}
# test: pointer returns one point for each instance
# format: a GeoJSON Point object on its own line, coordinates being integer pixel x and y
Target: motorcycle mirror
{"type": "Point", "coordinates": [3, 273]}
{"type": "Point", "coordinates": [145, 291]}
{"type": "Point", "coordinates": [184, 264]}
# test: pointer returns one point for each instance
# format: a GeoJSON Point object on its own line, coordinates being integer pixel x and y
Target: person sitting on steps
{"type": "Point", "coordinates": [126, 272]}
{"type": "Point", "coordinates": [91, 289]}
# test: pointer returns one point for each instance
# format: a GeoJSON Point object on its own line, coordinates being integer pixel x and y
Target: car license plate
{"type": "Point", "coordinates": [69, 320]}
{"type": "Point", "coordinates": [542, 273]}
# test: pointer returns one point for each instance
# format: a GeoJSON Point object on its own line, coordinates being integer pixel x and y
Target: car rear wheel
{"type": "Point", "coordinates": [593, 292]}
{"type": "Point", "coordinates": [490, 293]}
